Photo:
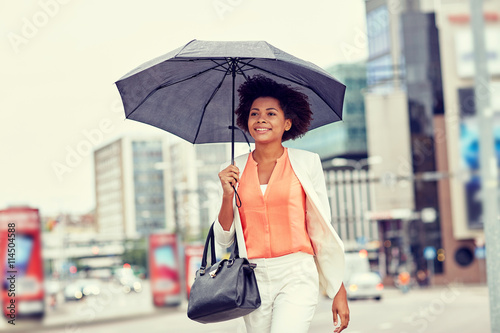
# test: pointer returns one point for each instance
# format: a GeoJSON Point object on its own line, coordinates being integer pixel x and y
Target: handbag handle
{"type": "Point", "coordinates": [210, 242]}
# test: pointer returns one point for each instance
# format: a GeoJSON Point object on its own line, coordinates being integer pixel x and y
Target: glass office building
{"type": "Point", "coordinates": [346, 138]}
{"type": "Point", "coordinates": [404, 60]}
{"type": "Point", "coordinates": [149, 193]}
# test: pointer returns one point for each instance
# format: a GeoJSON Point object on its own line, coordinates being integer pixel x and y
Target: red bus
{"type": "Point", "coordinates": [193, 255]}
{"type": "Point", "coordinates": [21, 265]}
{"type": "Point", "coordinates": [164, 272]}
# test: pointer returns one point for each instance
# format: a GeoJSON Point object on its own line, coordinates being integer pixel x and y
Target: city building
{"type": "Point", "coordinates": [132, 192]}
{"type": "Point", "coordinates": [419, 83]}
{"type": "Point", "coordinates": [342, 147]}
{"type": "Point", "coordinates": [347, 138]}
{"type": "Point", "coordinates": [184, 173]}
{"type": "Point", "coordinates": [209, 160]}
{"type": "Point", "coordinates": [403, 96]}
{"type": "Point", "coordinates": [72, 247]}
{"type": "Point", "coordinates": [146, 184]}
{"type": "Point", "coordinates": [193, 170]}
{"type": "Point", "coordinates": [463, 234]}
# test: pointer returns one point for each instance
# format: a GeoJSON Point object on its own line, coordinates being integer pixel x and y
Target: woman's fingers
{"type": "Point", "coordinates": [229, 176]}
{"type": "Point", "coordinates": [344, 321]}
{"type": "Point", "coordinates": [343, 318]}
{"type": "Point", "coordinates": [340, 310]}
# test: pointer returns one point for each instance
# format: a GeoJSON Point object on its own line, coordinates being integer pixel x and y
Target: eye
{"type": "Point", "coordinates": [253, 114]}
{"type": "Point", "coordinates": [272, 113]}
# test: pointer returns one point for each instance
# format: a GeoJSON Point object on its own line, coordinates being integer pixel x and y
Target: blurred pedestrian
{"type": "Point", "coordinates": [404, 279]}
{"type": "Point", "coordinates": [283, 222]}
{"type": "Point", "coordinates": [53, 301]}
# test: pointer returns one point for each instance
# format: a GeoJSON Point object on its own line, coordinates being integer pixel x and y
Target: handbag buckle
{"type": "Point", "coordinates": [214, 272]}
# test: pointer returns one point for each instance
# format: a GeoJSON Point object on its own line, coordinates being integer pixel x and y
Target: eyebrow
{"type": "Point", "coordinates": [266, 109]}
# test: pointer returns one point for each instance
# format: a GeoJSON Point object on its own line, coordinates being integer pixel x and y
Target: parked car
{"type": "Point", "coordinates": [355, 263]}
{"type": "Point", "coordinates": [78, 289]}
{"type": "Point", "coordinates": [365, 285]}
{"type": "Point", "coordinates": [131, 283]}
{"type": "Point", "coordinates": [128, 281]}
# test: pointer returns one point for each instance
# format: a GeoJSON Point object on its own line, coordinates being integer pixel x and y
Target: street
{"type": "Point", "coordinates": [443, 309]}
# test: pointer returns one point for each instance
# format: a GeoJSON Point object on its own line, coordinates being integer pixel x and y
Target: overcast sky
{"type": "Point", "coordinates": [60, 59]}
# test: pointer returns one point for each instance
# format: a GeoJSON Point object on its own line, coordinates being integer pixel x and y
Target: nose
{"type": "Point", "coordinates": [261, 119]}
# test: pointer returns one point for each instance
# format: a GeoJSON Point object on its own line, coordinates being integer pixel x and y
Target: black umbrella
{"type": "Point", "coordinates": [190, 92]}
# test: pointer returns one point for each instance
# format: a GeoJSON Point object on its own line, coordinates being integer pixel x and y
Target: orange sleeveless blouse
{"type": "Point", "coordinates": [274, 223]}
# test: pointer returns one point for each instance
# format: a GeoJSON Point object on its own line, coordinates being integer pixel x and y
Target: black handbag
{"type": "Point", "coordinates": [224, 290]}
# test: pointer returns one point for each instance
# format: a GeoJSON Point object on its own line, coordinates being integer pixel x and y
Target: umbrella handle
{"type": "Point", "coordinates": [237, 197]}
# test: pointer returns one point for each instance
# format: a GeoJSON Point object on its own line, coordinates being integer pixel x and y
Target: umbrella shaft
{"type": "Point", "coordinates": [233, 74]}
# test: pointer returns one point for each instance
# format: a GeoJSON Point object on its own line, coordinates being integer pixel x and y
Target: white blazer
{"type": "Point", "coordinates": [328, 247]}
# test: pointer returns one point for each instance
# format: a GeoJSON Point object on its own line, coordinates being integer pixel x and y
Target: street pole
{"type": "Point", "coordinates": [488, 163]}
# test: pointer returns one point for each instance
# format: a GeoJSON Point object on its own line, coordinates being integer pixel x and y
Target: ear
{"type": "Point", "coordinates": [288, 124]}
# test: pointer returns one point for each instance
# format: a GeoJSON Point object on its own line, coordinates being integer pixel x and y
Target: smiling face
{"type": "Point", "coordinates": [266, 121]}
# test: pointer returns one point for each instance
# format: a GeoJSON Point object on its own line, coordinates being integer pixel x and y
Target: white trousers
{"type": "Point", "coordinates": [289, 291]}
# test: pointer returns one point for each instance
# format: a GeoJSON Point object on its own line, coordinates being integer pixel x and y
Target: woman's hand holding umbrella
{"type": "Point", "coordinates": [228, 178]}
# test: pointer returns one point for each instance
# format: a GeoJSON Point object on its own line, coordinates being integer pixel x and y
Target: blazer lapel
{"type": "Point", "coordinates": [240, 162]}
{"type": "Point", "coordinates": [300, 167]}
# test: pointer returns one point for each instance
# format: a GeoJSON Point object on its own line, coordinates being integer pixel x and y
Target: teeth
{"type": "Point", "coordinates": [261, 129]}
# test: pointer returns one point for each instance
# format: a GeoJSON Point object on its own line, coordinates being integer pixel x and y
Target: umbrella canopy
{"type": "Point", "coordinates": [190, 91]}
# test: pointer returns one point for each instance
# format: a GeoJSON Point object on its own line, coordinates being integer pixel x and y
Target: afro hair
{"type": "Point", "coordinates": [294, 104]}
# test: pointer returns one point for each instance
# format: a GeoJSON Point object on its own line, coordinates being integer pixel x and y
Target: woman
{"type": "Point", "coordinates": [283, 223]}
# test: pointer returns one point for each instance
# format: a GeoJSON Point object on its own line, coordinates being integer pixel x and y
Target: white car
{"type": "Point", "coordinates": [81, 288]}
{"type": "Point", "coordinates": [365, 285]}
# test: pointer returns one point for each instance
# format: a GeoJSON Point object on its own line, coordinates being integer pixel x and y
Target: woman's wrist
{"type": "Point", "coordinates": [227, 197]}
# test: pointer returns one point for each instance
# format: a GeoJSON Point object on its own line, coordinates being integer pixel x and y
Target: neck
{"type": "Point", "coordinates": [268, 152]}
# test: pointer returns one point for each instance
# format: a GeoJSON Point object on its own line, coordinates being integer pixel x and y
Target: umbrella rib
{"type": "Point", "coordinates": [206, 105]}
{"type": "Point", "coordinates": [241, 69]}
{"type": "Point", "coordinates": [171, 84]}
{"type": "Point", "coordinates": [245, 64]}
{"type": "Point", "coordinates": [224, 69]}
{"type": "Point", "coordinates": [294, 81]}
{"type": "Point", "coordinates": [220, 64]}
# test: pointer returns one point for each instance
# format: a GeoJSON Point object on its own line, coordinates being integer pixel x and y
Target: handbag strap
{"type": "Point", "coordinates": [235, 253]}
{"type": "Point", "coordinates": [210, 243]}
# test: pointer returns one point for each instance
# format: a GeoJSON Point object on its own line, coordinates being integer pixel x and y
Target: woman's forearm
{"type": "Point", "coordinates": [226, 212]}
